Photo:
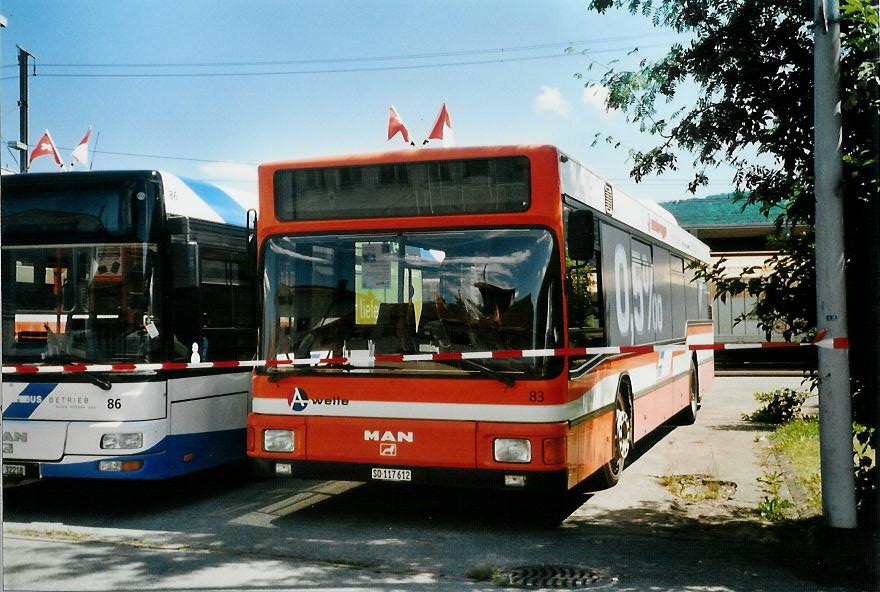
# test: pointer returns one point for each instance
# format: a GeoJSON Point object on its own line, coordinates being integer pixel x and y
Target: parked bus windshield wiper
{"type": "Point", "coordinates": [99, 382]}
{"type": "Point", "coordinates": [66, 359]}
{"type": "Point", "coordinates": [63, 359]}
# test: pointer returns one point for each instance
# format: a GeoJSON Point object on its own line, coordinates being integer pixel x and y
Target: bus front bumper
{"type": "Point", "coordinates": [506, 479]}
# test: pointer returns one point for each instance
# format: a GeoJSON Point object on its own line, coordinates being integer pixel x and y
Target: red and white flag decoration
{"type": "Point", "coordinates": [395, 125]}
{"type": "Point", "coordinates": [45, 147]}
{"type": "Point", "coordinates": [81, 152]}
{"type": "Point", "coordinates": [443, 121]}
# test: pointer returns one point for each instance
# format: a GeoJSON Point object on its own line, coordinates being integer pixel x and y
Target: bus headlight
{"type": "Point", "coordinates": [117, 441]}
{"type": "Point", "coordinates": [278, 440]}
{"type": "Point", "coordinates": [120, 466]}
{"type": "Point", "coordinates": [513, 450]}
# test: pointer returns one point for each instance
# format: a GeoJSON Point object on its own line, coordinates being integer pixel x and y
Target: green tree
{"type": "Point", "coordinates": [751, 62]}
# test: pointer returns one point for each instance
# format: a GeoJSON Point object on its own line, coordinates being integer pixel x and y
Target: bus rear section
{"type": "Point", "coordinates": [428, 318]}
{"type": "Point", "coordinates": [88, 283]}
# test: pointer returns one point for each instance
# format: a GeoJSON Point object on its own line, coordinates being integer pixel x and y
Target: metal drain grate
{"type": "Point", "coordinates": [557, 576]}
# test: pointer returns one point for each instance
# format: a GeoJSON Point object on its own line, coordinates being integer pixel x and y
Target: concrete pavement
{"type": "Point", "coordinates": [231, 533]}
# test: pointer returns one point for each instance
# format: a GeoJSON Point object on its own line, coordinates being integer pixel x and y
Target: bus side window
{"type": "Point", "coordinates": [226, 307]}
{"type": "Point", "coordinates": [583, 295]}
{"type": "Point", "coordinates": [679, 297]}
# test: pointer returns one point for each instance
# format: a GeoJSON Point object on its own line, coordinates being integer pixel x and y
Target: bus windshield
{"type": "Point", "coordinates": [79, 268]}
{"type": "Point", "coordinates": [91, 302]}
{"type": "Point", "coordinates": [88, 209]}
{"type": "Point", "coordinates": [411, 293]}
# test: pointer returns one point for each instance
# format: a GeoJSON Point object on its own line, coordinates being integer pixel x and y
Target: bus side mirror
{"type": "Point", "coordinates": [177, 226]}
{"type": "Point", "coordinates": [580, 237]}
{"type": "Point", "coordinates": [251, 246]}
{"type": "Point", "coordinates": [185, 264]}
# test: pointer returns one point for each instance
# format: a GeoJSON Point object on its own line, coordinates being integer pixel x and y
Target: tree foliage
{"type": "Point", "coordinates": [752, 64]}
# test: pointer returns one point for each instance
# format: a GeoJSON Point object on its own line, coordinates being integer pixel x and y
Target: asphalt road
{"type": "Point", "coordinates": [223, 530]}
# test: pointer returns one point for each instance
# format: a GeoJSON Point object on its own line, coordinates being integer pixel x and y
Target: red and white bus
{"type": "Point", "coordinates": [493, 317]}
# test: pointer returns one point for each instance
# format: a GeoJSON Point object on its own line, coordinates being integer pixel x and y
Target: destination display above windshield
{"type": "Point", "coordinates": [472, 186]}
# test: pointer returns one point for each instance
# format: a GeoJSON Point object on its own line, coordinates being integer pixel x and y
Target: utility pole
{"type": "Point", "coordinates": [835, 405]}
{"type": "Point", "coordinates": [2, 26]}
{"type": "Point", "coordinates": [22, 144]}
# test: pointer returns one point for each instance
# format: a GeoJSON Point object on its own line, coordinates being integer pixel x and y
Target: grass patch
{"type": "Point", "coordinates": [695, 488]}
{"type": "Point", "coordinates": [772, 506]}
{"type": "Point", "coordinates": [779, 406]}
{"type": "Point", "coordinates": [488, 573]}
{"type": "Point", "coordinates": [798, 443]}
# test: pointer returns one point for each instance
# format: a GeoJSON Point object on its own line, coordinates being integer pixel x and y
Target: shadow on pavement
{"type": "Point", "coordinates": [376, 530]}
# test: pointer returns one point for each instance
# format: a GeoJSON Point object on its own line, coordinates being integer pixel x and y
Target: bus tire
{"type": "Point", "coordinates": [621, 438]}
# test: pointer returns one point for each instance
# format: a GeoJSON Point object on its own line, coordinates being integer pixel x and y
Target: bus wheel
{"type": "Point", "coordinates": [622, 436]}
{"type": "Point", "coordinates": [689, 413]}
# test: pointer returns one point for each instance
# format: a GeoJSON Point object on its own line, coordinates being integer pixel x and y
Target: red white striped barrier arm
{"type": "Point", "coordinates": [365, 361]}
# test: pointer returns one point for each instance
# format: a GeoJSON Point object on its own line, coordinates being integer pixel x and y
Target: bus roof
{"type": "Point", "coordinates": [183, 196]}
{"type": "Point", "coordinates": [585, 186]}
{"type": "Point", "coordinates": [406, 155]}
{"type": "Point", "coordinates": [206, 201]}
{"type": "Point", "coordinates": [576, 181]}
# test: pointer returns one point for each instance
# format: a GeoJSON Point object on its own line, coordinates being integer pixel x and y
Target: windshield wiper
{"type": "Point", "coordinates": [277, 372]}
{"type": "Point", "coordinates": [63, 358]}
{"type": "Point", "coordinates": [99, 382]}
{"type": "Point", "coordinates": [66, 359]}
{"type": "Point", "coordinates": [507, 379]}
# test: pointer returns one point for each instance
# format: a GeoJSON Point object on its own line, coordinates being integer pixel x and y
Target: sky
{"type": "Point", "coordinates": [208, 89]}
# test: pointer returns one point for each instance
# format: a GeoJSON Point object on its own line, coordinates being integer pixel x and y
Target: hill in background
{"type": "Point", "coordinates": [718, 210]}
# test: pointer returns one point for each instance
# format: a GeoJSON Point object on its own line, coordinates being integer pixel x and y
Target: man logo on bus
{"type": "Point", "coordinates": [298, 401]}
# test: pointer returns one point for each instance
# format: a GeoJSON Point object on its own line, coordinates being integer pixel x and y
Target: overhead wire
{"type": "Point", "coordinates": [182, 158]}
{"type": "Point", "coordinates": [399, 67]}
{"type": "Point", "coordinates": [500, 60]}
{"type": "Point", "coordinates": [617, 180]}
{"type": "Point", "coordinates": [414, 56]}
{"type": "Point", "coordinates": [432, 55]}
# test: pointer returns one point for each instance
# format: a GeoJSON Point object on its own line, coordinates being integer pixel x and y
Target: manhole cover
{"type": "Point", "coordinates": [556, 576]}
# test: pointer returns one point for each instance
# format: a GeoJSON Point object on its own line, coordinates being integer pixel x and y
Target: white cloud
{"type": "Point", "coordinates": [229, 171]}
{"type": "Point", "coordinates": [595, 97]}
{"type": "Point", "coordinates": [551, 99]}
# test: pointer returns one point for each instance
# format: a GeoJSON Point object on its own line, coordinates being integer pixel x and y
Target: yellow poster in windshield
{"type": "Point", "coordinates": [375, 281]}
{"type": "Point", "coordinates": [382, 279]}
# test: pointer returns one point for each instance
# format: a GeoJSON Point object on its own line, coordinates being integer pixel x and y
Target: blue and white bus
{"type": "Point", "coordinates": [129, 268]}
